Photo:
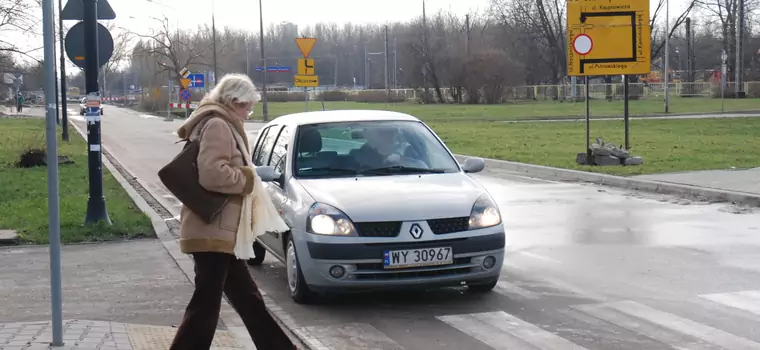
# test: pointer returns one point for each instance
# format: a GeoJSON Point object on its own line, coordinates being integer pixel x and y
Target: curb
{"type": "Point", "coordinates": [687, 191]}
{"type": "Point", "coordinates": [160, 225]}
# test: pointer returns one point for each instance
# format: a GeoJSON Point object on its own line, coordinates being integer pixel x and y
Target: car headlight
{"type": "Point", "coordinates": [484, 213]}
{"type": "Point", "coordinates": [327, 220]}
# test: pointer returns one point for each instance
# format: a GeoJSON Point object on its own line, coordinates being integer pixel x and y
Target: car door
{"type": "Point", "coordinates": [261, 155]}
{"type": "Point", "coordinates": [277, 190]}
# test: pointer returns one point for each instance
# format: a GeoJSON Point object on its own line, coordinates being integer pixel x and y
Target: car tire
{"type": "Point", "coordinates": [299, 290]}
{"type": "Point", "coordinates": [259, 253]}
{"type": "Point", "coordinates": [81, 112]}
{"type": "Point", "coordinates": [483, 287]}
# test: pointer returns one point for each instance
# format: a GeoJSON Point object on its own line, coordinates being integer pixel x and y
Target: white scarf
{"type": "Point", "coordinates": [258, 215]}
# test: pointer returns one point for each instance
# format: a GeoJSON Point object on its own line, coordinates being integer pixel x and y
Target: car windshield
{"type": "Point", "coordinates": [372, 148]}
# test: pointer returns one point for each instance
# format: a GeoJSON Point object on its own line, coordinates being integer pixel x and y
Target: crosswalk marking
{"type": "Point", "coordinates": [747, 300]}
{"type": "Point", "coordinates": [503, 331]}
{"type": "Point", "coordinates": [349, 336]}
{"type": "Point", "coordinates": [510, 290]}
{"type": "Point", "coordinates": [669, 321]}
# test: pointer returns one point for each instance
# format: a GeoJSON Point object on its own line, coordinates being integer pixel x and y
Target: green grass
{"type": "Point", "coordinates": [666, 145]}
{"type": "Point", "coordinates": [23, 192]}
{"type": "Point", "coordinates": [525, 110]}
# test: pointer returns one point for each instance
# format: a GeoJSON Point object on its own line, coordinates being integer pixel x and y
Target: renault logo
{"type": "Point", "coordinates": [416, 231]}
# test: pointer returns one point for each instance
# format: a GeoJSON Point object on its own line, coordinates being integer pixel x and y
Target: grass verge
{"type": "Point", "coordinates": [666, 145]}
{"type": "Point", "coordinates": [24, 193]}
{"type": "Point", "coordinates": [525, 110]}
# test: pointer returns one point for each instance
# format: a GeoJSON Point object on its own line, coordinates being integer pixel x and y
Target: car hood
{"type": "Point", "coordinates": [398, 197]}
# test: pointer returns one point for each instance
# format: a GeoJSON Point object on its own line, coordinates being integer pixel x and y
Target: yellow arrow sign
{"type": "Point", "coordinates": [305, 45]}
{"type": "Point", "coordinates": [185, 83]}
{"type": "Point", "coordinates": [306, 80]}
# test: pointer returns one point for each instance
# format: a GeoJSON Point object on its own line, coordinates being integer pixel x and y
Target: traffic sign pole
{"type": "Point", "coordinates": [96, 204]}
{"type": "Point", "coordinates": [626, 94]}
{"type": "Point", "coordinates": [51, 144]}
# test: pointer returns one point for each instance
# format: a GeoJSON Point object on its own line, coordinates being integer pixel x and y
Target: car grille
{"type": "Point", "coordinates": [378, 229]}
{"type": "Point", "coordinates": [449, 225]}
{"type": "Point", "coordinates": [376, 271]}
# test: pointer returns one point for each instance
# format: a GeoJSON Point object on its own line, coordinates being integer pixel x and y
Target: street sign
{"type": "Point", "coordinates": [608, 37]}
{"type": "Point", "coordinates": [74, 11]}
{"type": "Point", "coordinates": [275, 69]}
{"type": "Point", "coordinates": [184, 72]}
{"type": "Point", "coordinates": [184, 94]}
{"type": "Point", "coordinates": [197, 80]}
{"type": "Point", "coordinates": [306, 81]}
{"type": "Point", "coordinates": [74, 44]}
{"type": "Point", "coordinates": [305, 66]}
{"type": "Point", "coordinates": [185, 82]}
{"type": "Point", "coordinates": [305, 45]}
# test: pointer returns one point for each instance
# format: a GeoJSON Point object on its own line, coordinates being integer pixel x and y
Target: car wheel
{"type": "Point", "coordinates": [482, 288]}
{"type": "Point", "coordinates": [81, 112]}
{"type": "Point", "coordinates": [299, 290]}
{"type": "Point", "coordinates": [259, 252]}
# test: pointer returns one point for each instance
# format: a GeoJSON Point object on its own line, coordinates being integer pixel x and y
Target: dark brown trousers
{"type": "Point", "coordinates": [217, 273]}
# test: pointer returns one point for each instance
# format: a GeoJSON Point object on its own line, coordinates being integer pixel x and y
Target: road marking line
{"type": "Point", "coordinates": [540, 257]}
{"type": "Point", "coordinates": [348, 336]}
{"type": "Point", "coordinates": [666, 320]}
{"type": "Point", "coordinates": [147, 116]}
{"type": "Point", "coordinates": [746, 300]}
{"type": "Point", "coordinates": [503, 331]}
{"type": "Point", "coordinates": [510, 290]}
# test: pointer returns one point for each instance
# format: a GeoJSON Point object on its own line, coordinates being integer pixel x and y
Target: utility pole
{"type": "Point", "coordinates": [689, 60]}
{"type": "Point", "coordinates": [366, 67]}
{"type": "Point", "coordinates": [213, 37]}
{"type": "Point", "coordinates": [739, 69]}
{"type": "Point", "coordinates": [263, 64]}
{"type": "Point", "coordinates": [247, 58]}
{"type": "Point", "coordinates": [96, 204]}
{"type": "Point", "coordinates": [395, 68]}
{"type": "Point", "coordinates": [64, 112]}
{"type": "Point", "coordinates": [335, 79]}
{"type": "Point", "coordinates": [424, 53]}
{"type": "Point", "coordinates": [55, 72]}
{"type": "Point", "coordinates": [667, 54]}
{"type": "Point", "coordinates": [51, 144]}
{"type": "Point", "coordinates": [387, 87]}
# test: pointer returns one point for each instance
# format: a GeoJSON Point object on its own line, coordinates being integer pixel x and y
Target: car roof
{"type": "Point", "coordinates": [346, 115]}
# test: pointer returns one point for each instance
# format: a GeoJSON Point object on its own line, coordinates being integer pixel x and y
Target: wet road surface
{"type": "Point", "coordinates": [588, 267]}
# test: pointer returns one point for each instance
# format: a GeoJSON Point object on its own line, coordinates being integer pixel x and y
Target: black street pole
{"type": "Point", "coordinates": [96, 204]}
{"type": "Point", "coordinates": [64, 117]}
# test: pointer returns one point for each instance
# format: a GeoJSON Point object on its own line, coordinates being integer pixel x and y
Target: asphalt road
{"type": "Point", "coordinates": [588, 267]}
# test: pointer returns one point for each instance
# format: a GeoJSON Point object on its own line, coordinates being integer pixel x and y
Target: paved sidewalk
{"type": "Point", "coordinates": [97, 335]}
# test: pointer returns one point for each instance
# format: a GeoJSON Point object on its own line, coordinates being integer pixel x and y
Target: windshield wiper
{"type": "Point", "coordinates": [405, 170]}
{"type": "Point", "coordinates": [332, 169]}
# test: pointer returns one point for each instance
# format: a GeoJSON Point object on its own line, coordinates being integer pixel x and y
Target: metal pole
{"type": "Point", "coordinates": [667, 55]}
{"type": "Point", "coordinates": [366, 69]}
{"type": "Point", "coordinates": [738, 69]}
{"type": "Point", "coordinates": [64, 111]}
{"type": "Point", "coordinates": [588, 125]}
{"type": "Point", "coordinates": [626, 93]}
{"type": "Point", "coordinates": [306, 97]}
{"type": "Point", "coordinates": [213, 29]}
{"type": "Point", "coordinates": [387, 87]}
{"type": "Point", "coordinates": [55, 73]}
{"type": "Point", "coordinates": [247, 58]}
{"type": "Point", "coordinates": [96, 204]}
{"type": "Point", "coordinates": [395, 68]}
{"type": "Point", "coordinates": [263, 64]}
{"type": "Point", "coordinates": [52, 171]}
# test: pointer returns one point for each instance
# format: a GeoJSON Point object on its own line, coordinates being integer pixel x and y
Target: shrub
{"type": "Point", "coordinates": [277, 96]}
{"type": "Point", "coordinates": [333, 96]}
{"type": "Point", "coordinates": [377, 97]}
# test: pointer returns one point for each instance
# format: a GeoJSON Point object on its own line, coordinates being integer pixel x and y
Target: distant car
{"type": "Point", "coordinates": [83, 106]}
{"type": "Point", "coordinates": [360, 220]}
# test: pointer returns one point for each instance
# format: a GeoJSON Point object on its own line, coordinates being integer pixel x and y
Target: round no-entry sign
{"type": "Point", "coordinates": [184, 94]}
{"type": "Point", "coordinates": [582, 44]}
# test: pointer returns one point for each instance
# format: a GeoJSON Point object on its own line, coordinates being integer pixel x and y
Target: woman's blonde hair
{"type": "Point", "coordinates": [234, 89]}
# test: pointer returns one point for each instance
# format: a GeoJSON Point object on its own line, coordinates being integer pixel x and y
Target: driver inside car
{"type": "Point", "coordinates": [381, 149]}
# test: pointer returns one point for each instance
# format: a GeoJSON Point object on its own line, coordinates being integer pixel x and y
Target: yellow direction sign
{"type": "Point", "coordinates": [185, 82]}
{"type": "Point", "coordinates": [608, 37]}
{"type": "Point", "coordinates": [306, 81]}
{"type": "Point", "coordinates": [305, 66]}
{"type": "Point", "coordinates": [305, 45]}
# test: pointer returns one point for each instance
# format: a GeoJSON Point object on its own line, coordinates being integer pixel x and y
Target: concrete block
{"type": "Point", "coordinates": [8, 237]}
{"type": "Point", "coordinates": [636, 160]}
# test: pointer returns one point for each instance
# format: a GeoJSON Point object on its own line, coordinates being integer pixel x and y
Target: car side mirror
{"type": "Point", "coordinates": [473, 165]}
{"type": "Point", "coordinates": [267, 173]}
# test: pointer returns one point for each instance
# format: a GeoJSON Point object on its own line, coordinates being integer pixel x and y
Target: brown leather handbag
{"type": "Point", "coordinates": [180, 176]}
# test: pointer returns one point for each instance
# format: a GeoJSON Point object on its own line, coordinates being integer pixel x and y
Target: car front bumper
{"type": "Point", "coordinates": [362, 260]}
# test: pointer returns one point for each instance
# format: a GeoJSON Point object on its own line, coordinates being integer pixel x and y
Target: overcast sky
{"type": "Point", "coordinates": [244, 14]}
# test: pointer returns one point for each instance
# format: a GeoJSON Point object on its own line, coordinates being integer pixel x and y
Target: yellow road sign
{"type": "Point", "coordinates": [185, 83]}
{"type": "Point", "coordinates": [306, 80]}
{"type": "Point", "coordinates": [305, 66]}
{"type": "Point", "coordinates": [305, 45]}
{"type": "Point", "coordinates": [608, 37]}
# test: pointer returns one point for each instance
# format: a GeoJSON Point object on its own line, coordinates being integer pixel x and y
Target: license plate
{"type": "Point", "coordinates": [395, 259]}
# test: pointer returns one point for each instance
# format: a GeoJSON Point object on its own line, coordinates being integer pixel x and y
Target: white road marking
{"type": "Point", "coordinates": [746, 300]}
{"type": "Point", "coordinates": [349, 336]}
{"type": "Point", "coordinates": [510, 290]}
{"type": "Point", "coordinates": [503, 331]}
{"type": "Point", "coordinates": [147, 116]}
{"type": "Point", "coordinates": [540, 257]}
{"type": "Point", "coordinates": [661, 319]}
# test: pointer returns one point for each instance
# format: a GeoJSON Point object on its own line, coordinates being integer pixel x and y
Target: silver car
{"type": "Point", "coordinates": [374, 200]}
